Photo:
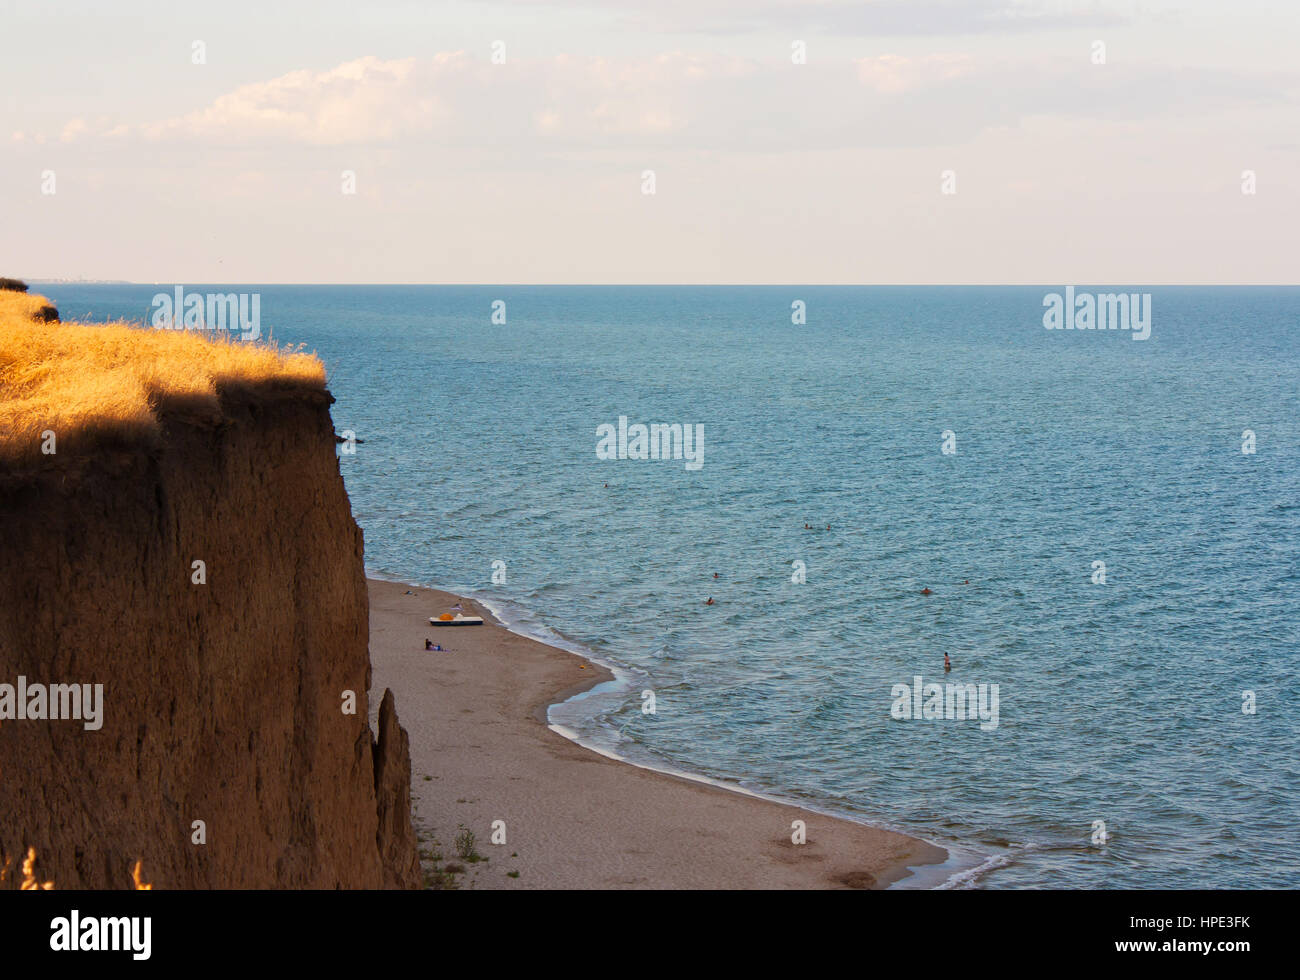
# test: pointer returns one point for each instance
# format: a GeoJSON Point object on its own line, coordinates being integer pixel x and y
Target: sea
{"type": "Point", "coordinates": [1101, 532]}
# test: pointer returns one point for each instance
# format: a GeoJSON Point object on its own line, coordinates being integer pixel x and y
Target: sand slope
{"type": "Point", "coordinates": [575, 819]}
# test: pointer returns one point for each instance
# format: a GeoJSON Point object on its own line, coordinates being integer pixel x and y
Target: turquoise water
{"type": "Point", "coordinates": [1119, 702]}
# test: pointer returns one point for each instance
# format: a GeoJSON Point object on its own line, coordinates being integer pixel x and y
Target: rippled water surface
{"type": "Point", "coordinates": [1119, 702]}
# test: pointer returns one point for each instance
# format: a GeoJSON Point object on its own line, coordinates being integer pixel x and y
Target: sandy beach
{"type": "Point", "coordinates": [481, 752]}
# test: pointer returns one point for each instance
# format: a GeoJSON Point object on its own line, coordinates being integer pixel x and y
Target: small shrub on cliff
{"type": "Point", "coordinates": [440, 881]}
{"type": "Point", "coordinates": [465, 841]}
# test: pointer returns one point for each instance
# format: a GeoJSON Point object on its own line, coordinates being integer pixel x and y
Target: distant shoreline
{"type": "Point", "coordinates": [482, 751]}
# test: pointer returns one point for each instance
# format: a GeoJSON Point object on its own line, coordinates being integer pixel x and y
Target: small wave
{"type": "Point", "coordinates": [971, 877]}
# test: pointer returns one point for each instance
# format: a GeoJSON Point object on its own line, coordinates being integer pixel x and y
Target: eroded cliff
{"type": "Point", "coordinates": [225, 685]}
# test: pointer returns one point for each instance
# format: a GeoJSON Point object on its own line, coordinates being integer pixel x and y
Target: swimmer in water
{"type": "Point", "coordinates": [926, 591]}
{"type": "Point", "coordinates": [715, 574]}
{"type": "Point", "coordinates": [947, 664]}
{"type": "Point", "coordinates": [710, 602]}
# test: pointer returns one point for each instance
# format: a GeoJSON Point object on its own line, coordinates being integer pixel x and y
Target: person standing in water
{"type": "Point", "coordinates": [947, 664]}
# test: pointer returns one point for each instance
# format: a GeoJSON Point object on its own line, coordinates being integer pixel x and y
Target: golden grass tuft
{"type": "Point", "coordinates": [88, 383]}
{"type": "Point", "coordinates": [31, 883]}
{"type": "Point", "coordinates": [26, 306]}
{"type": "Point", "coordinates": [138, 877]}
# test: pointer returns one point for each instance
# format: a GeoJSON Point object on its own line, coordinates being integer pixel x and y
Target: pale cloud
{"type": "Point", "coordinates": [73, 129]}
{"type": "Point", "coordinates": [681, 101]}
{"type": "Point", "coordinates": [363, 101]}
{"type": "Point", "coordinates": [892, 74]}
{"type": "Point", "coordinates": [453, 98]}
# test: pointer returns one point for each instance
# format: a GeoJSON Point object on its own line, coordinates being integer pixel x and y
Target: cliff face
{"type": "Point", "coordinates": [223, 702]}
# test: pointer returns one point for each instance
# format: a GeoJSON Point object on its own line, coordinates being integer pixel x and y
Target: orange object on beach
{"type": "Point", "coordinates": [447, 619]}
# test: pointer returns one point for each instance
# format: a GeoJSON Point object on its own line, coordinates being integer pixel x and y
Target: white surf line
{"type": "Point", "coordinates": [961, 860]}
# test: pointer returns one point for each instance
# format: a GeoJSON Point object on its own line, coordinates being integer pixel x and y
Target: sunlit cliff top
{"type": "Point", "coordinates": [92, 383]}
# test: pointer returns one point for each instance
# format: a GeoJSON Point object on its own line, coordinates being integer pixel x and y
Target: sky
{"type": "Point", "coordinates": [784, 141]}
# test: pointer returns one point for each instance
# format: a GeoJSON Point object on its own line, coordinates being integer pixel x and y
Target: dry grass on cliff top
{"type": "Point", "coordinates": [94, 382]}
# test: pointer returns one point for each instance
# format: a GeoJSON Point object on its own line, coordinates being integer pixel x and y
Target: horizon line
{"type": "Point", "coordinates": [675, 285]}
